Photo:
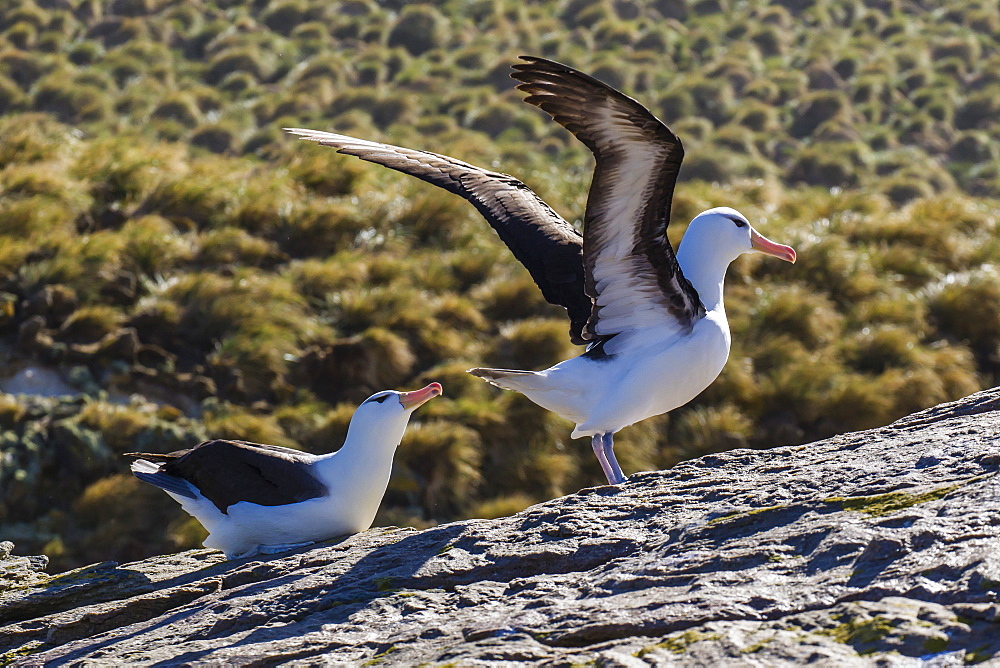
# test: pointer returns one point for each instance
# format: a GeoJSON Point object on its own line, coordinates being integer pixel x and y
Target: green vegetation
{"type": "Point", "coordinates": [193, 272]}
{"type": "Point", "coordinates": [380, 656]}
{"type": "Point", "coordinates": [861, 633]}
{"type": "Point", "coordinates": [979, 655]}
{"type": "Point", "coordinates": [877, 505]}
{"type": "Point", "coordinates": [679, 642]}
{"type": "Point", "coordinates": [740, 515]}
{"type": "Point", "coordinates": [14, 655]}
{"type": "Point", "coordinates": [384, 583]}
{"type": "Point", "coordinates": [885, 504]}
{"type": "Point", "coordinates": [757, 646]}
{"type": "Point", "coordinates": [936, 644]}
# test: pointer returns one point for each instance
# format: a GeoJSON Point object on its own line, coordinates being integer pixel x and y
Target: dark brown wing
{"type": "Point", "coordinates": [228, 472]}
{"type": "Point", "coordinates": [632, 273]}
{"type": "Point", "coordinates": [549, 248]}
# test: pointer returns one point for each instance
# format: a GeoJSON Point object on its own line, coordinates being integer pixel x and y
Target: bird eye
{"type": "Point", "coordinates": [381, 399]}
{"type": "Point", "coordinates": [739, 223]}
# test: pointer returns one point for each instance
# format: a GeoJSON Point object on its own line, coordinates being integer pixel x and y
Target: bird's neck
{"type": "Point", "coordinates": [364, 454]}
{"type": "Point", "coordinates": [705, 266]}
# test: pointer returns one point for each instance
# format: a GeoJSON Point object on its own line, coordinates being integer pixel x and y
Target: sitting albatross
{"type": "Point", "coordinates": [263, 499]}
{"type": "Point", "coordinates": [654, 322]}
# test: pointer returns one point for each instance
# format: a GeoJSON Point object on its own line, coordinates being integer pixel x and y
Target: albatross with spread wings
{"type": "Point", "coordinates": [653, 321]}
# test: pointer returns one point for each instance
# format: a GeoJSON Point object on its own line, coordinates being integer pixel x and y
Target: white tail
{"type": "Point", "coordinates": [509, 379]}
{"type": "Point", "coordinates": [143, 466]}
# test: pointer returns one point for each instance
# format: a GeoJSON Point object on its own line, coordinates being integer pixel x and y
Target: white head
{"type": "Point", "coordinates": [712, 241]}
{"type": "Point", "coordinates": [729, 234]}
{"type": "Point", "coordinates": [384, 415]}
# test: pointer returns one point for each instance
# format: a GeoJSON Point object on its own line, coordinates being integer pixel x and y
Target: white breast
{"type": "Point", "coordinates": [649, 382]}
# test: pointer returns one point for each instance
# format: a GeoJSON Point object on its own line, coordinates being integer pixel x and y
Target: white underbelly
{"type": "Point", "coordinates": [654, 381]}
{"type": "Point", "coordinates": [315, 519]}
{"type": "Point", "coordinates": [246, 525]}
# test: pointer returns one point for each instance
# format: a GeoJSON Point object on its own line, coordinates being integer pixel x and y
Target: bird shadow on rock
{"type": "Point", "coordinates": [745, 523]}
{"type": "Point", "coordinates": [383, 571]}
{"type": "Point", "coordinates": [878, 555]}
{"type": "Point", "coordinates": [113, 639]}
{"type": "Point", "coordinates": [136, 598]}
{"type": "Point", "coordinates": [96, 583]}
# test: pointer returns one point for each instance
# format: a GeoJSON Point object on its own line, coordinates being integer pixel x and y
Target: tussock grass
{"type": "Point", "coordinates": [440, 463]}
{"type": "Point", "coordinates": [230, 246]}
{"type": "Point", "coordinates": [90, 323]}
{"type": "Point", "coordinates": [153, 246]}
{"type": "Point", "coordinates": [228, 421]}
{"type": "Point", "coordinates": [40, 179]}
{"type": "Point", "coordinates": [708, 429]}
{"type": "Point", "coordinates": [963, 305]}
{"type": "Point", "coordinates": [120, 527]}
{"type": "Point", "coordinates": [34, 218]}
{"type": "Point", "coordinates": [119, 425]}
{"type": "Point", "coordinates": [205, 195]}
{"type": "Point", "coordinates": [321, 279]}
{"type": "Point", "coordinates": [501, 506]}
{"type": "Point", "coordinates": [81, 263]}
{"type": "Point", "coordinates": [70, 101]}
{"type": "Point", "coordinates": [533, 343]}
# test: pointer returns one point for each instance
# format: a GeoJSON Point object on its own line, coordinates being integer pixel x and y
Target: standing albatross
{"type": "Point", "coordinates": [654, 322]}
{"type": "Point", "coordinates": [263, 499]}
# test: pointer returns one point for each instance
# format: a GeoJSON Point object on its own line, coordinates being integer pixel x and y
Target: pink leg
{"type": "Point", "coordinates": [597, 442]}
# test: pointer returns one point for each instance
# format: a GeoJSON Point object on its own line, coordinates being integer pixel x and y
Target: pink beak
{"type": "Point", "coordinates": [761, 243]}
{"type": "Point", "coordinates": [417, 398]}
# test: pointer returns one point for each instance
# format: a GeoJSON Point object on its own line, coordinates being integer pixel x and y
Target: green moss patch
{"type": "Point", "coordinates": [384, 584]}
{"type": "Point", "coordinates": [860, 632]}
{"type": "Point", "coordinates": [679, 643]}
{"type": "Point", "coordinates": [740, 514]}
{"type": "Point", "coordinates": [756, 647]}
{"type": "Point", "coordinates": [27, 649]}
{"type": "Point", "coordinates": [885, 504]}
{"type": "Point", "coordinates": [380, 657]}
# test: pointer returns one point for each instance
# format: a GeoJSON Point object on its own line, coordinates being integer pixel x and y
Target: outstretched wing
{"type": "Point", "coordinates": [548, 247]}
{"type": "Point", "coordinates": [228, 472]}
{"type": "Point", "coordinates": [632, 274]}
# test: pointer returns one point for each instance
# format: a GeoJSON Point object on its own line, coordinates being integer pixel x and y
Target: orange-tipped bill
{"type": "Point", "coordinates": [761, 243]}
{"type": "Point", "coordinates": [417, 398]}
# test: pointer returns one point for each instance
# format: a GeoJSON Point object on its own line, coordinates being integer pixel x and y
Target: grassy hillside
{"type": "Point", "coordinates": [190, 271]}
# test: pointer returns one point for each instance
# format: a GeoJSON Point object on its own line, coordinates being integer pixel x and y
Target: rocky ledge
{"type": "Point", "coordinates": [875, 547]}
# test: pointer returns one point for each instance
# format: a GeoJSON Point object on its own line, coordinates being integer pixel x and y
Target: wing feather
{"type": "Point", "coordinates": [549, 248]}
{"type": "Point", "coordinates": [228, 472]}
{"type": "Point", "coordinates": [631, 269]}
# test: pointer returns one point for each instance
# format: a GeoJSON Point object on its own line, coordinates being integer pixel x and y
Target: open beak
{"type": "Point", "coordinates": [761, 243]}
{"type": "Point", "coordinates": [417, 398]}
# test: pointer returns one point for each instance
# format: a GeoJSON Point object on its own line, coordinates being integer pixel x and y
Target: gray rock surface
{"type": "Point", "coordinates": [874, 548]}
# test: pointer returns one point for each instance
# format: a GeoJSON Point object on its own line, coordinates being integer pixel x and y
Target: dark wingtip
{"type": "Point", "coordinates": [531, 62]}
{"type": "Point", "coordinates": [166, 482]}
{"type": "Point", "coordinates": [517, 67]}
